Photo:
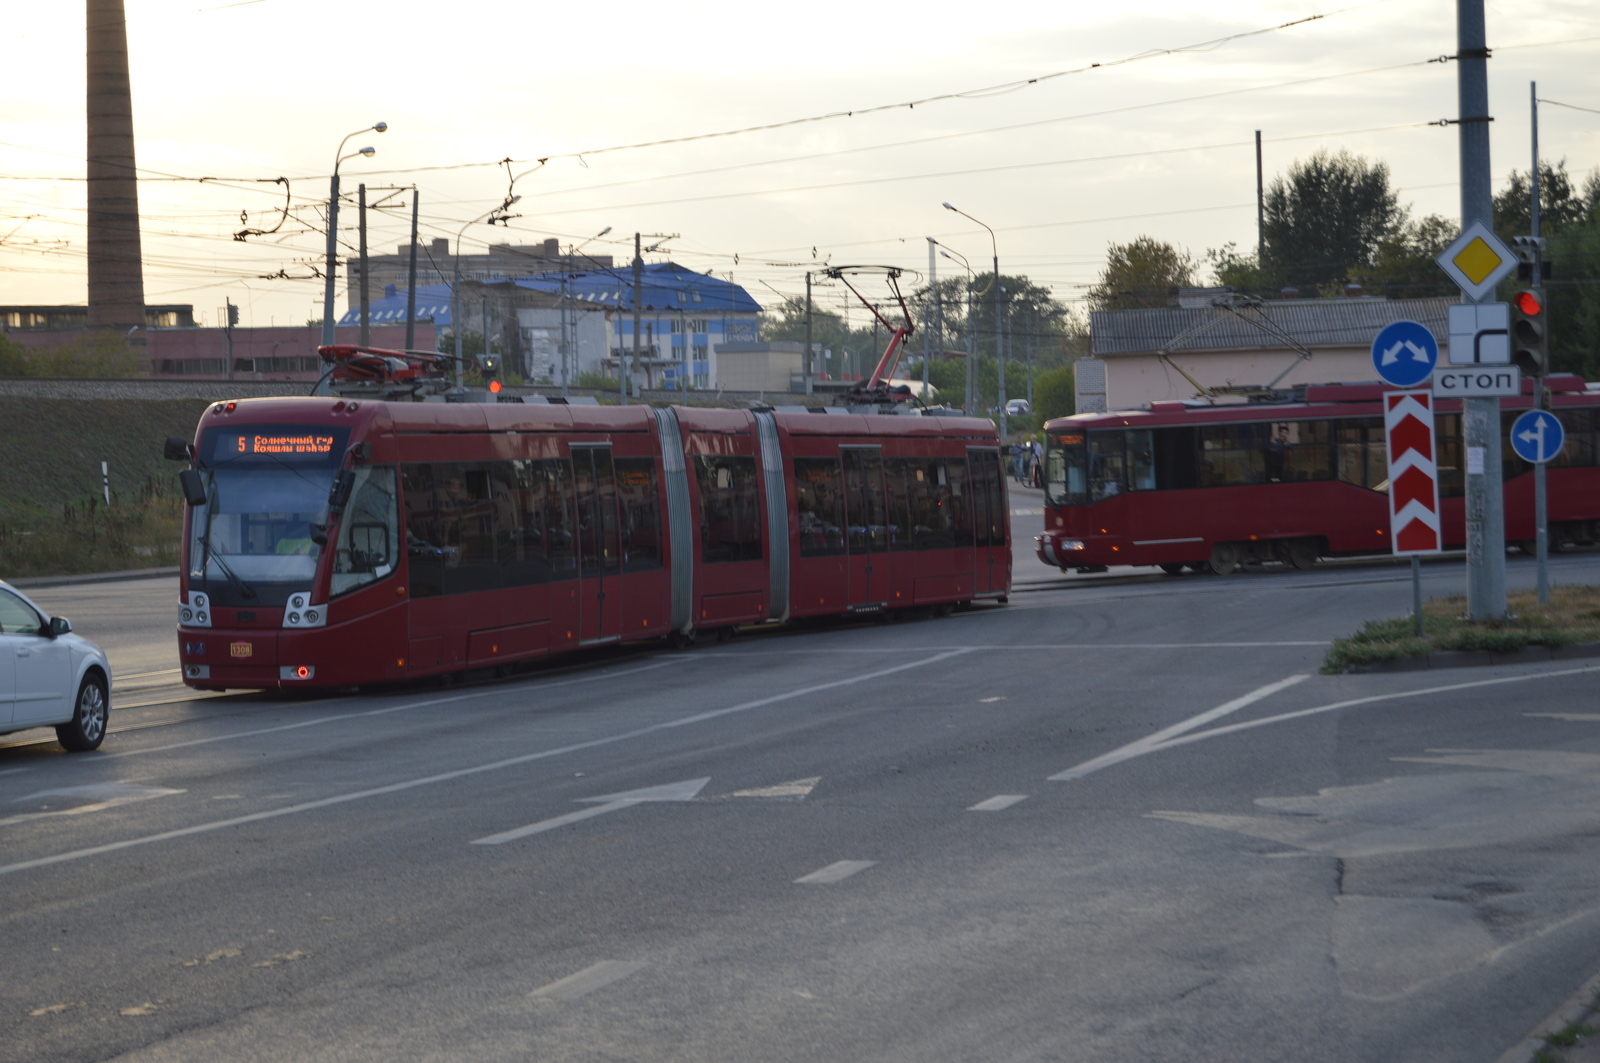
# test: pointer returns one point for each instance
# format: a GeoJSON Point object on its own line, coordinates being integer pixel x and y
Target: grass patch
{"type": "Point", "coordinates": [1573, 615]}
{"type": "Point", "coordinates": [93, 537]}
{"type": "Point", "coordinates": [1568, 1035]}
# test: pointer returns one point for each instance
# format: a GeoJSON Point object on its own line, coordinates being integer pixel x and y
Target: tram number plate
{"type": "Point", "coordinates": [241, 649]}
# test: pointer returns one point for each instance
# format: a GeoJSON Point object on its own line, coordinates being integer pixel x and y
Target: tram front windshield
{"type": "Point", "coordinates": [267, 486]}
{"type": "Point", "coordinates": [1066, 468]}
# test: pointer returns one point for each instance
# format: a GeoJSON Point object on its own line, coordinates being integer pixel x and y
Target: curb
{"type": "Point", "coordinates": [1478, 658]}
{"type": "Point", "coordinates": [1578, 1007]}
{"type": "Point", "coordinates": [95, 577]}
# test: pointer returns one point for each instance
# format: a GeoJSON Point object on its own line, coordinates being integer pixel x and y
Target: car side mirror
{"type": "Point", "coordinates": [60, 625]}
{"type": "Point", "coordinates": [194, 488]}
{"type": "Point", "coordinates": [176, 449]}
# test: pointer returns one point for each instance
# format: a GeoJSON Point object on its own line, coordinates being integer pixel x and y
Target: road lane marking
{"type": "Point", "coordinates": [835, 872]}
{"type": "Point", "coordinates": [1575, 716]}
{"type": "Point", "coordinates": [588, 980]}
{"type": "Point", "coordinates": [678, 791]}
{"type": "Point", "coordinates": [890, 650]}
{"type": "Point", "coordinates": [1150, 743]}
{"type": "Point", "coordinates": [998, 803]}
{"type": "Point", "coordinates": [99, 797]}
{"type": "Point", "coordinates": [1373, 699]}
{"type": "Point", "coordinates": [392, 708]}
{"type": "Point", "coordinates": [459, 773]}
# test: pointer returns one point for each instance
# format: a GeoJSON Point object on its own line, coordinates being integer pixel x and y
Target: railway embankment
{"type": "Point", "coordinates": [1567, 627]}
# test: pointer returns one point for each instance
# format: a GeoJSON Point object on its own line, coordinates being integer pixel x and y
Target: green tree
{"type": "Point", "coordinates": [1053, 394]}
{"type": "Point", "coordinates": [1561, 203]}
{"type": "Point", "coordinates": [1326, 220]}
{"type": "Point", "coordinates": [1141, 274]}
{"type": "Point", "coordinates": [1569, 218]}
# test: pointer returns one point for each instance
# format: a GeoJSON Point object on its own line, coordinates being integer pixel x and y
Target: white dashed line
{"type": "Point", "coordinates": [835, 872]}
{"type": "Point", "coordinates": [998, 803]}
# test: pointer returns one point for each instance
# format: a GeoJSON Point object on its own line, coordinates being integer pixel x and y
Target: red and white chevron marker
{"type": "Point", "coordinates": [1413, 473]}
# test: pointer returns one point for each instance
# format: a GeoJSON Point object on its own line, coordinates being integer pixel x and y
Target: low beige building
{"type": "Point", "coordinates": [1144, 356]}
{"type": "Point", "coordinates": [758, 366]}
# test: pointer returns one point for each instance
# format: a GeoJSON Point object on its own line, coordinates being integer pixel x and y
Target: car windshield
{"type": "Point", "coordinates": [253, 543]}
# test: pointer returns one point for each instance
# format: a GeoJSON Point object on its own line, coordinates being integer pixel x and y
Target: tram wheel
{"type": "Point", "coordinates": [1224, 558]}
{"type": "Point", "coordinates": [1303, 553]}
{"type": "Point", "coordinates": [1172, 568]}
{"type": "Point", "coordinates": [1529, 547]}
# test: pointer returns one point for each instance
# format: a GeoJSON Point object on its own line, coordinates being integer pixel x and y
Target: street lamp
{"type": "Point", "coordinates": [999, 352]}
{"type": "Point", "coordinates": [333, 224]}
{"type": "Point", "coordinates": [456, 324]}
{"type": "Point", "coordinates": [961, 260]}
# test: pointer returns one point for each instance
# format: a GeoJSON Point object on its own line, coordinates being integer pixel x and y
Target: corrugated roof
{"type": "Point", "coordinates": [667, 287]}
{"type": "Point", "coordinates": [1313, 322]}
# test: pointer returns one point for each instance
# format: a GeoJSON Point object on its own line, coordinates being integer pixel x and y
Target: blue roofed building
{"type": "Point", "coordinates": [550, 324]}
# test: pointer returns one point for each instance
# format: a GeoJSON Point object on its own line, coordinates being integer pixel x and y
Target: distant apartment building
{"type": "Point", "coordinates": [54, 318]}
{"type": "Point", "coordinates": [436, 265]}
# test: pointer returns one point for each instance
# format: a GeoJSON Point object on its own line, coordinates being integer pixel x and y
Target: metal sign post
{"type": "Point", "coordinates": [1478, 261]}
{"type": "Point", "coordinates": [1537, 437]}
{"type": "Point", "coordinates": [1405, 354]}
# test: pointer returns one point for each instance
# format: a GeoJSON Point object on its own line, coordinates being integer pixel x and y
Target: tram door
{"type": "Point", "coordinates": [990, 519]}
{"type": "Point", "coordinates": [867, 528]}
{"type": "Point", "coordinates": [599, 553]}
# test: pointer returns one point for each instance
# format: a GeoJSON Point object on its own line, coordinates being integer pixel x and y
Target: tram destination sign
{"type": "Point", "coordinates": [1413, 473]}
{"type": "Point", "coordinates": [1488, 381]}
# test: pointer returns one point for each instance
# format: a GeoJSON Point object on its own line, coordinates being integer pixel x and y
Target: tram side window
{"type": "Point", "coordinates": [1141, 460]}
{"type": "Point", "coordinates": [1174, 458]}
{"type": "Point", "coordinates": [641, 513]}
{"type": "Point", "coordinates": [368, 546]}
{"type": "Point", "coordinates": [866, 523]}
{"type": "Point", "coordinates": [1232, 454]}
{"type": "Point", "coordinates": [960, 502]}
{"type": "Point", "coordinates": [533, 520]}
{"type": "Point", "coordinates": [896, 473]}
{"type": "Point", "coordinates": [1580, 446]}
{"type": "Point", "coordinates": [1447, 441]}
{"type": "Point", "coordinates": [425, 547]}
{"type": "Point", "coordinates": [1108, 475]}
{"type": "Point", "coordinates": [928, 491]}
{"type": "Point", "coordinates": [988, 497]}
{"type": "Point", "coordinates": [730, 509]}
{"type": "Point", "coordinates": [1298, 452]}
{"type": "Point", "coordinates": [466, 518]}
{"type": "Point", "coordinates": [819, 507]}
{"type": "Point", "coordinates": [1362, 459]}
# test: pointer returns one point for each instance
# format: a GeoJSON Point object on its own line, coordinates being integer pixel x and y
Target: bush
{"type": "Point", "coordinates": [96, 355]}
{"type": "Point", "coordinates": [90, 536]}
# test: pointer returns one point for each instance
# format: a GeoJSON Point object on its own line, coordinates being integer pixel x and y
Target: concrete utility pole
{"type": "Point", "coordinates": [1261, 211]}
{"type": "Point", "coordinates": [1480, 421]}
{"type": "Point", "coordinates": [1541, 393]}
{"type": "Point", "coordinates": [332, 266]}
{"type": "Point", "coordinates": [933, 294]}
{"type": "Point", "coordinates": [638, 299]}
{"type": "Point", "coordinates": [116, 262]}
{"type": "Point", "coordinates": [805, 358]}
{"type": "Point", "coordinates": [411, 280]}
{"type": "Point", "coordinates": [366, 299]}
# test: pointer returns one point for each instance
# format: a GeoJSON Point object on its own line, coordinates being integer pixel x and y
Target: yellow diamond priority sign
{"type": "Point", "coordinates": [1477, 261]}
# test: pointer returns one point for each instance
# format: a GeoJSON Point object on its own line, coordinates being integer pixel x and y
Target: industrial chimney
{"type": "Point", "coordinates": [116, 263]}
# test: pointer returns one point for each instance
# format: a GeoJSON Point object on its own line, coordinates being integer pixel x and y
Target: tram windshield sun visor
{"type": "Point", "coordinates": [255, 540]}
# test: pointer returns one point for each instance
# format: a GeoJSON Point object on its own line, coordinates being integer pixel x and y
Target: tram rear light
{"type": "Point", "coordinates": [230, 407]}
{"type": "Point", "coordinates": [303, 672]}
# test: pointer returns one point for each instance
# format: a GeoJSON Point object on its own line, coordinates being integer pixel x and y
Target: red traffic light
{"type": "Point", "coordinates": [494, 386]}
{"type": "Point", "coordinates": [1527, 303]}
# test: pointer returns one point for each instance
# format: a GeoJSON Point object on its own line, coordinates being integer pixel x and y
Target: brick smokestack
{"type": "Point", "coordinates": [116, 263]}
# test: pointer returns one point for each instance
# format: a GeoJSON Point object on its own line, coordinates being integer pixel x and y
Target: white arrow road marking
{"type": "Point", "coordinates": [97, 798]}
{"type": "Point", "coordinates": [797, 789]}
{"type": "Point", "coordinates": [588, 980]}
{"type": "Point", "coordinates": [835, 872]}
{"type": "Point", "coordinates": [677, 791]}
{"type": "Point", "coordinates": [998, 803]}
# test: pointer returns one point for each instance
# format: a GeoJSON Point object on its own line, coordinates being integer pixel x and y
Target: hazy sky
{"type": "Point", "coordinates": [1060, 168]}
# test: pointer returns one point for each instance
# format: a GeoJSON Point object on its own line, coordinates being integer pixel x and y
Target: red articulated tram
{"type": "Point", "coordinates": [370, 537]}
{"type": "Point", "coordinates": [1203, 486]}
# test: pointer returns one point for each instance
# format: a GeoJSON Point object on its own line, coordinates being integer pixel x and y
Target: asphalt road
{"type": "Point", "coordinates": [1118, 818]}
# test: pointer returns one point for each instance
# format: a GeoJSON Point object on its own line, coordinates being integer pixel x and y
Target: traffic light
{"type": "Point", "coordinates": [233, 315]}
{"type": "Point", "coordinates": [1530, 339]}
{"type": "Point", "coordinates": [490, 363]}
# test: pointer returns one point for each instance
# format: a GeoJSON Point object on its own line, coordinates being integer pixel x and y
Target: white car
{"type": "Point", "coordinates": [1018, 408]}
{"type": "Point", "coordinates": [49, 676]}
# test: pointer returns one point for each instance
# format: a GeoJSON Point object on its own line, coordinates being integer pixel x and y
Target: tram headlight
{"type": "Point", "coordinates": [188, 615]}
{"type": "Point", "coordinates": [311, 616]}
{"type": "Point", "coordinates": [294, 618]}
{"type": "Point", "coordinates": [298, 601]}
{"type": "Point", "coordinates": [1069, 544]}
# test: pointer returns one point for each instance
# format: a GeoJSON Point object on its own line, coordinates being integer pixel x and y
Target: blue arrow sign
{"type": "Point", "coordinates": [1404, 354]}
{"type": "Point", "coordinates": [1537, 436]}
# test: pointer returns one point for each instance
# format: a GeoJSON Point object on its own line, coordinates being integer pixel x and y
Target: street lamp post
{"type": "Point", "coordinates": [333, 224]}
{"type": "Point", "coordinates": [971, 373]}
{"type": "Point", "coordinates": [999, 352]}
{"type": "Point", "coordinates": [455, 288]}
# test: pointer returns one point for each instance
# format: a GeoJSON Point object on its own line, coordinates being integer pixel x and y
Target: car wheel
{"type": "Point", "coordinates": [87, 728]}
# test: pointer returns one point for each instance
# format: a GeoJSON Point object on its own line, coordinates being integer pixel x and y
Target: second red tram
{"type": "Point", "coordinates": [1216, 486]}
{"type": "Point", "coordinates": [332, 542]}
